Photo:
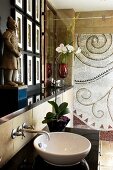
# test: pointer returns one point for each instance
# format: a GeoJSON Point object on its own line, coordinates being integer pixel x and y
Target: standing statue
{"type": "Point", "coordinates": [11, 54]}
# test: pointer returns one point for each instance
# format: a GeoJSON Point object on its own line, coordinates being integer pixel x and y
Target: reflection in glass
{"type": "Point", "coordinates": [49, 70]}
{"type": "Point", "coordinates": [30, 101]}
{"type": "Point", "coordinates": [18, 19]}
{"type": "Point", "coordinates": [29, 70]}
{"type": "Point", "coordinates": [37, 39]}
{"type": "Point", "coordinates": [18, 30]}
{"type": "Point", "coordinates": [37, 70]}
{"type": "Point", "coordinates": [18, 3]}
{"type": "Point", "coordinates": [29, 7]}
{"type": "Point", "coordinates": [37, 14]}
{"type": "Point", "coordinates": [29, 35]}
{"type": "Point", "coordinates": [20, 69]}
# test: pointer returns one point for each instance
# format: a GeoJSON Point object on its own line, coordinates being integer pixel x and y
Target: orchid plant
{"type": "Point", "coordinates": [65, 51]}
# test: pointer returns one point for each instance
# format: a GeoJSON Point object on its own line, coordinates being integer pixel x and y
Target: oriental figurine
{"type": "Point", "coordinates": [11, 54]}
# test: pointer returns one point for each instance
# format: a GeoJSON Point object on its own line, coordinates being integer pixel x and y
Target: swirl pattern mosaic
{"type": "Point", "coordinates": [93, 80]}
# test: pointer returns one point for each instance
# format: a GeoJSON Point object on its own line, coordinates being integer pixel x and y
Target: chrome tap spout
{"type": "Point", "coordinates": [21, 130]}
{"type": "Point", "coordinates": [35, 131]}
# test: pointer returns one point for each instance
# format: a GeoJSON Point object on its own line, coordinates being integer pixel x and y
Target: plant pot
{"type": "Point", "coordinates": [58, 125]}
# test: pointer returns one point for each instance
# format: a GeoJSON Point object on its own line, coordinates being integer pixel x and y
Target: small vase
{"type": "Point", "coordinates": [58, 125]}
{"type": "Point", "coordinates": [63, 70]}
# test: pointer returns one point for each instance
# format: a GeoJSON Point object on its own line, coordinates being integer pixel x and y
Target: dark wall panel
{"type": "Point", "coordinates": [4, 13]}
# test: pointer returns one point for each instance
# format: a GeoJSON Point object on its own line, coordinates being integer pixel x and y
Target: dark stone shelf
{"type": "Point", "coordinates": [12, 107]}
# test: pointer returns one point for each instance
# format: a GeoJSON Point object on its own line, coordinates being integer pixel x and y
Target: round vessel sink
{"type": "Point", "coordinates": [63, 148]}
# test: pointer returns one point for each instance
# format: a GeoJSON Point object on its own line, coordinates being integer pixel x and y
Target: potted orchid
{"type": "Point", "coordinates": [56, 120]}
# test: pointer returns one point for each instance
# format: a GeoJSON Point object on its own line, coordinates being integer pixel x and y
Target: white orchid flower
{"type": "Point", "coordinates": [65, 50]}
{"type": "Point", "coordinates": [78, 50]}
{"type": "Point", "coordinates": [61, 49]}
{"type": "Point", "coordinates": [70, 48]}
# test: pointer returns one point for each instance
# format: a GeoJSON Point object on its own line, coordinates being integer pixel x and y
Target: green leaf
{"type": "Point", "coordinates": [62, 106]}
{"type": "Point", "coordinates": [55, 106]}
{"type": "Point", "coordinates": [64, 112]}
{"type": "Point", "coordinates": [49, 117]}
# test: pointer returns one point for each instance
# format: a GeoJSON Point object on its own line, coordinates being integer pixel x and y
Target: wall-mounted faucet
{"type": "Point", "coordinates": [16, 132]}
{"type": "Point", "coordinates": [20, 131]}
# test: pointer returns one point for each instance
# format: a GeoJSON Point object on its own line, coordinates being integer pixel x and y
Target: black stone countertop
{"type": "Point", "coordinates": [37, 99]}
{"type": "Point", "coordinates": [28, 159]}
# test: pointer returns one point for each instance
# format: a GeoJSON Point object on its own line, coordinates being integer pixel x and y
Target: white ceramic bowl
{"type": "Point", "coordinates": [63, 148]}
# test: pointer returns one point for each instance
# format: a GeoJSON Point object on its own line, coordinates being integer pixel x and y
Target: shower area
{"type": "Point", "coordinates": [93, 71]}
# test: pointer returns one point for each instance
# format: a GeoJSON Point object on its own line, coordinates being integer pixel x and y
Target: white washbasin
{"type": "Point", "coordinates": [63, 148]}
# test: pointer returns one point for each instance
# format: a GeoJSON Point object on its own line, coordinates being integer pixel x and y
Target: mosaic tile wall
{"type": "Point", "coordinates": [104, 135]}
{"type": "Point", "coordinates": [93, 81]}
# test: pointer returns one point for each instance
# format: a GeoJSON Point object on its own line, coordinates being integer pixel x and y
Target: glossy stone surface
{"type": "Point", "coordinates": [28, 159]}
